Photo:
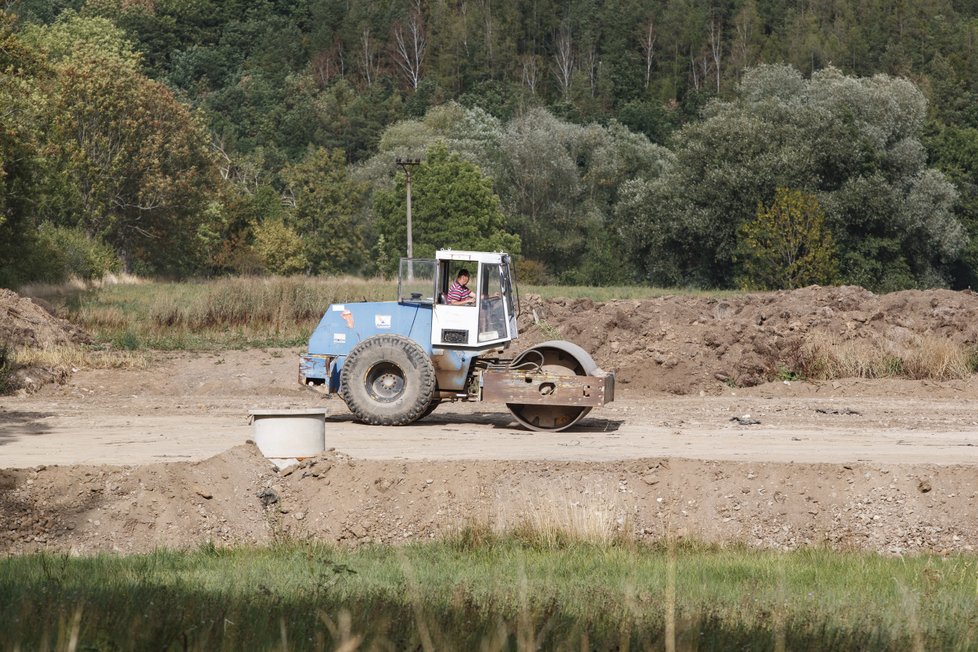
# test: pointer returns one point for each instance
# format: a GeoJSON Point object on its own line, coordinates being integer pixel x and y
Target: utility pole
{"type": "Point", "coordinates": [406, 164]}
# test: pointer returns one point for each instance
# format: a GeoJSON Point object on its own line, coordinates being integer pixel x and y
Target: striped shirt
{"type": "Point", "coordinates": [458, 292]}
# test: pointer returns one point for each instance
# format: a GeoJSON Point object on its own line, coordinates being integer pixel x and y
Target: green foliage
{"type": "Point", "coordinates": [532, 272]}
{"type": "Point", "coordinates": [540, 186]}
{"type": "Point", "coordinates": [279, 248]}
{"type": "Point", "coordinates": [786, 245]}
{"type": "Point", "coordinates": [954, 150]}
{"type": "Point", "coordinates": [61, 253]}
{"type": "Point", "coordinates": [7, 368]}
{"type": "Point", "coordinates": [22, 71]}
{"type": "Point", "coordinates": [558, 182]}
{"type": "Point", "coordinates": [132, 163]}
{"type": "Point", "coordinates": [325, 210]}
{"type": "Point", "coordinates": [855, 142]}
{"type": "Point", "coordinates": [973, 360]}
{"type": "Point", "coordinates": [653, 119]}
{"type": "Point", "coordinates": [453, 206]}
{"type": "Point", "coordinates": [72, 34]}
{"type": "Point", "coordinates": [275, 79]}
{"type": "Point", "coordinates": [244, 202]}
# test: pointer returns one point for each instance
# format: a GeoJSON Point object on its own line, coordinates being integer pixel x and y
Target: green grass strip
{"type": "Point", "coordinates": [491, 593]}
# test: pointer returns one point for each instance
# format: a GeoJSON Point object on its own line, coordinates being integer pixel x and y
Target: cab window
{"type": "Point", "coordinates": [492, 306]}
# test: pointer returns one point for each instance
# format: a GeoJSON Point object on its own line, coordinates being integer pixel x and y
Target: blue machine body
{"type": "Point", "coordinates": [343, 326]}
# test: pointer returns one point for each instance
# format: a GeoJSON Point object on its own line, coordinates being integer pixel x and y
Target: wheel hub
{"type": "Point", "coordinates": [385, 382]}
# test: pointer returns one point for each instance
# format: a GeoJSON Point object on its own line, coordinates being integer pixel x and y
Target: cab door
{"type": "Point", "coordinates": [494, 326]}
{"type": "Point", "coordinates": [455, 326]}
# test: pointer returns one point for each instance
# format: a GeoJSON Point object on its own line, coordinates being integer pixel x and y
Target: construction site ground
{"type": "Point", "coordinates": [694, 445]}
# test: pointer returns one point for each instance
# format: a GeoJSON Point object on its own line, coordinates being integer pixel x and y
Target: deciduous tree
{"type": "Point", "coordinates": [453, 204]}
{"type": "Point", "coordinates": [852, 142]}
{"type": "Point", "coordinates": [786, 245]}
{"type": "Point", "coordinates": [325, 207]}
{"type": "Point", "coordinates": [134, 164]}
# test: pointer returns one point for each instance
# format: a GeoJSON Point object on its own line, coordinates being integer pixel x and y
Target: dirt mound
{"type": "Point", "coordinates": [24, 322]}
{"type": "Point", "coordinates": [682, 344]}
{"type": "Point", "coordinates": [128, 509]}
{"type": "Point", "coordinates": [238, 498]}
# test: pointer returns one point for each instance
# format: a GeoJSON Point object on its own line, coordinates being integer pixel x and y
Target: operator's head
{"type": "Point", "coordinates": [463, 276]}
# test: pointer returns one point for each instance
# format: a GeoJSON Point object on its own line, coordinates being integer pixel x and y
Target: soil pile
{"type": "Point", "coordinates": [238, 498]}
{"type": "Point", "coordinates": [683, 344]}
{"type": "Point", "coordinates": [25, 323]}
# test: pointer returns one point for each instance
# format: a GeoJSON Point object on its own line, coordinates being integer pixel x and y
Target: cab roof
{"type": "Point", "coordinates": [479, 256]}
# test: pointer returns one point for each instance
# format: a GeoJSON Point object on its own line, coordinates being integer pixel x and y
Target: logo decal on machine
{"type": "Point", "coordinates": [348, 318]}
{"type": "Point", "coordinates": [339, 338]}
{"type": "Point", "coordinates": [382, 321]}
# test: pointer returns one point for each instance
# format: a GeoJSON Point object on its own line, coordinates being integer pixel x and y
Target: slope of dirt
{"type": "Point", "coordinates": [683, 344]}
{"type": "Point", "coordinates": [26, 323]}
{"type": "Point", "coordinates": [238, 498]}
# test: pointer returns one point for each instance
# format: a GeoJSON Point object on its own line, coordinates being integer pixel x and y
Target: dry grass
{"type": "Point", "coordinates": [937, 358]}
{"type": "Point", "coordinates": [269, 302]}
{"type": "Point", "coordinates": [79, 357]}
{"type": "Point", "coordinates": [826, 356]}
{"type": "Point", "coordinates": [593, 513]}
{"type": "Point", "coordinates": [75, 285]}
{"type": "Point", "coordinates": [228, 312]}
{"type": "Point", "coordinates": [134, 313]}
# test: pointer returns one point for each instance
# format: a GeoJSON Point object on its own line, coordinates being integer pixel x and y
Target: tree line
{"type": "Point", "coordinates": [760, 143]}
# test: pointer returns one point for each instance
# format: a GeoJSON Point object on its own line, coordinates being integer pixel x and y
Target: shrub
{"type": "Point", "coordinates": [6, 369]}
{"type": "Point", "coordinates": [280, 248]}
{"type": "Point", "coordinates": [62, 253]}
{"type": "Point", "coordinates": [532, 272]}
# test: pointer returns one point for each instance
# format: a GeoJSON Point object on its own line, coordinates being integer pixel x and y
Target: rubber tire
{"type": "Point", "coordinates": [416, 370]}
{"type": "Point", "coordinates": [431, 408]}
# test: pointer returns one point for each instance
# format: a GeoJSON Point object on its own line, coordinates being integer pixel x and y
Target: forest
{"type": "Point", "coordinates": [757, 144]}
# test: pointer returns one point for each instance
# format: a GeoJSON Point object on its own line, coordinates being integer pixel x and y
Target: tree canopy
{"type": "Point", "coordinates": [453, 207]}
{"type": "Point", "coordinates": [619, 142]}
{"type": "Point", "coordinates": [854, 143]}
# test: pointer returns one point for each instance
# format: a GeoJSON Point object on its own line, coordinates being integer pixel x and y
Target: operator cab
{"type": "Point", "coordinates": [489, 322]}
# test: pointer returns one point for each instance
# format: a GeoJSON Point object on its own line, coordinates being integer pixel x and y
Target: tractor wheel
{"type": "Point", "coordinates": [431, 408]}
{"type": "Point", "coordinates": [387, 380]}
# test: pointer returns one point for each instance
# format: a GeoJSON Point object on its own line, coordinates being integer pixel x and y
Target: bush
{"type": "Point", "coordinates": [786, 245]}
{"type": "Point", "coordinates": [6, 369]}
{"type": "Point", "coordinates": [280, 248]}
{"type": "Point", "coordinates": [532, 272]}
{"type": "Point", "coordinates": [61, 253]}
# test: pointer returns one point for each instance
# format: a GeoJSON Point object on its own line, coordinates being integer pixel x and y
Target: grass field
{"type": "Point", "coordinates": [239, 312]}
{"type": "Point", "coordinates": [478, 592]}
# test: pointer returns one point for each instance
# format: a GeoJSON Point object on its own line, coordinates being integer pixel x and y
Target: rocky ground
{"type": "Point", "coordinates": [238, 498]}
{"type": "Point", "coordinates": [682, 344]}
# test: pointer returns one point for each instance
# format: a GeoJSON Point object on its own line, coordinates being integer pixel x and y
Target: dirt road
{"type": "Point", "coordinates": [128, 461]}
{"type": "Point", "coordinates": [189, 407]}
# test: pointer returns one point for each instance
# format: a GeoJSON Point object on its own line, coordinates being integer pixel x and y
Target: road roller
{"type": "Point", "coordinates": [445, 338]}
